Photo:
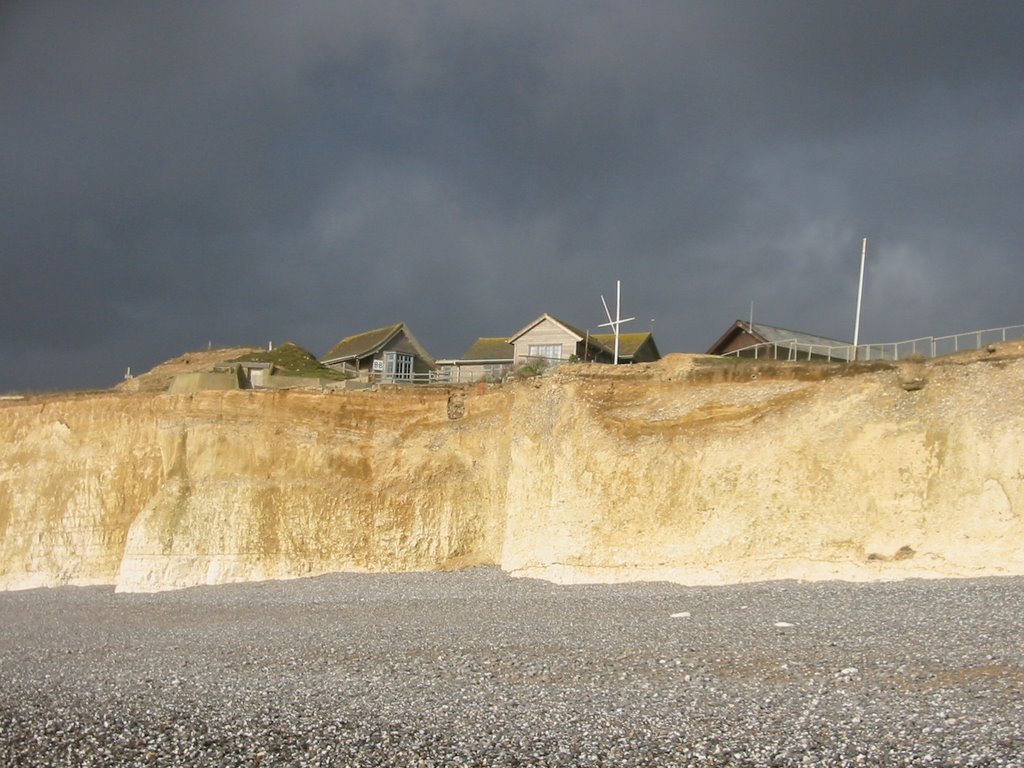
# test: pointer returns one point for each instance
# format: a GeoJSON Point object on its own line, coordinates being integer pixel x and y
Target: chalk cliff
{"type": "Point", "coordinates": [692, 470]}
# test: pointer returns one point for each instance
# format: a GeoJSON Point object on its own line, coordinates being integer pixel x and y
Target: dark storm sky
{"type": "Point", "coordinates": [177, 173]}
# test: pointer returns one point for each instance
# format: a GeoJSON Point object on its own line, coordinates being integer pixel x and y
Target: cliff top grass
{"type": "Point", "coordinates": [291, 360]}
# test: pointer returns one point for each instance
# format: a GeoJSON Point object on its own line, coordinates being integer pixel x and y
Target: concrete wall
{"type": "Point", "coordinates": [200, 381]}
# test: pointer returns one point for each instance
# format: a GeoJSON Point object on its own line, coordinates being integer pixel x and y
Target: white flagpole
{"type": "Point", "coordinates": [860, 294]}
{"type": "Point", "coordinates": [618, 304]}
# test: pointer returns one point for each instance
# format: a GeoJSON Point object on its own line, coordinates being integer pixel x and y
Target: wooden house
{"type": "Point", "coordinates": [383, 354]}
{"type": "Point", "coordinates": [553, 341]}
{"type": "Point", "coordinates": [771, 342]}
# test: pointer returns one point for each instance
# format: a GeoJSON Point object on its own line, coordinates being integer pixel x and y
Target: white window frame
{"type": "Point", "coordinates": [398, 366]}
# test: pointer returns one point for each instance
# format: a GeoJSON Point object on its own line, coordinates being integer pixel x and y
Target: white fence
{"type": "Point", "coordinates": [475, 372]}
{"type": "Point", "coordinates": [792, 350]}
{"type": "Point", "coordinates": [428, 377]}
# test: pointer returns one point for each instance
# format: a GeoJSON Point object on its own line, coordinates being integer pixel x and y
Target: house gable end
{"type": "Point", "coordinates": [546, 337]}
{"type": "Point", "coordinates": [406, 343]}
{"type": "Point", "coordinates": [736, 337]}
{"type": "Point", "coordinates": [547, 323]}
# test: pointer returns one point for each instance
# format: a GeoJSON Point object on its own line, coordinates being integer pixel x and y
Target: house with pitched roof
{"type": "Point", "coordinates": [391, 353]}
{"type": "Point", "coordinates": [748, 339]}
{"type": "Point", "coordinates": [554, 341]}
{"type": "Point", "coordinates": [549, 341]}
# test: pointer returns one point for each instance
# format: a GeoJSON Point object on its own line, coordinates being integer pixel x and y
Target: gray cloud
{"type": "Point", "coordinates": [178, 173]}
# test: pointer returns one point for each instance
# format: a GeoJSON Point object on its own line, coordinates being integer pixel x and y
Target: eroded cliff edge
{"type": "Point", "coordinates": [691, 469]}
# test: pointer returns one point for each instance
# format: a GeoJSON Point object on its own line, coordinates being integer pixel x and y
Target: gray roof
{"type": "Point", "coordinates": [776, 334]}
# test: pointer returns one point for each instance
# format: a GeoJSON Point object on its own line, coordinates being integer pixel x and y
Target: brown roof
{"type": "Point", "coordinates": [629, 343]}
{"type": "Point", "coordinates": [489, 348]}
{"type": "Point", "coordinates": [362, 344]}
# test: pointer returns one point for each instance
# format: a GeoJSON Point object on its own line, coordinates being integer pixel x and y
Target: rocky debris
{"type": "Point", "coordinates": [474, 668]}
{"type": "Point", "coordinates": [912, 376]}
{"type": "Point", "coordinates": [456, 405]}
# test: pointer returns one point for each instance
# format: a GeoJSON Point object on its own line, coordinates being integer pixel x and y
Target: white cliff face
{"type": "Point", "coordinates": [690, 470]}
{"type": "Point", "coordinates": [845, 478]}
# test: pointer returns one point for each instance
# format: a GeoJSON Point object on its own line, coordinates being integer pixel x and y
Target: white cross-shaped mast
{"type": "Point", "coordinates": [619, 320]}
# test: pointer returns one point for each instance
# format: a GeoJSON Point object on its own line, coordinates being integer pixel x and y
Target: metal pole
{"type": "Point", "coordinates": [618, 303]}
{"type": "Point", "coordinates": [619, 320]}
{"type": "Point", "coordinates": [860, 293]}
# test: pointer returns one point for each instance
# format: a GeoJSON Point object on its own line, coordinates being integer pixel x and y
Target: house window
{"type": "Point", "coordinates": [546, 351]}
{"type": "Point", "coordinates": [397, 366]}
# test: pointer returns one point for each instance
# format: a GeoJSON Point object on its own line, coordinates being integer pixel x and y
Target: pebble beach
{"type": "Point", "coordinates": [476, 668]}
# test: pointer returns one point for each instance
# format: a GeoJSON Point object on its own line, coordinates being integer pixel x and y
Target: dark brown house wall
{"type": "Point", "coordinates": [593, 355]}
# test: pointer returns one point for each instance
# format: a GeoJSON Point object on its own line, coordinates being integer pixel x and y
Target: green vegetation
{"type": "Point", "coordinates": [534, 366]}
{"type": "Point", "coordinates": [290, 359]}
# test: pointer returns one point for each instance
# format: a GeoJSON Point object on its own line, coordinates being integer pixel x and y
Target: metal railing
{"type": "Point", "coordinates": [540, 361]}
{"type": "Point", "coordinates": [473, 374]}
{"type": "Point", "coordinates": [793, 350]}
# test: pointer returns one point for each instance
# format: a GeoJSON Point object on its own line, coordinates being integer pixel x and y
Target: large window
{"type": "Point", "coordinates": [552, 352]}
{"type": "Point", "coordinates": [397, 366]}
